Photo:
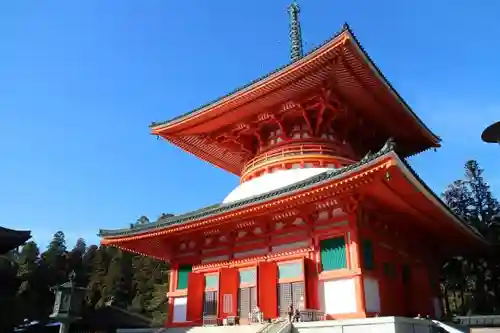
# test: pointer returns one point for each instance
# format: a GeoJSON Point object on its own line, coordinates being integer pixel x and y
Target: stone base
{"type": "Point", "coordinates": [365, 325]}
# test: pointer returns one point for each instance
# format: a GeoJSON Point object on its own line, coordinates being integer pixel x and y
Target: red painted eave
{"type": "Point", "coordinates": [421, 201]}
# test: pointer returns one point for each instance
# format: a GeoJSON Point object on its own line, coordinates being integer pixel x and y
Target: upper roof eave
{"type": "Point", "coordinates": [345, 33]}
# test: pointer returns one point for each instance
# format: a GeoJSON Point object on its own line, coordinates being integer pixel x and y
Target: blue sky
{"type": "Point", "coordinates": [80, 81]}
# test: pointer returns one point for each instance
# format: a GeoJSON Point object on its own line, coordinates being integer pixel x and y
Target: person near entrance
{"type": "Point", "coordinates": [290, 312]}
{"type": "Point", "coordinates": [296, 316]}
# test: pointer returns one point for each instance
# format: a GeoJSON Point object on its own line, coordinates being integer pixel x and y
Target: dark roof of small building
{"type": "Point", "coordinates": [10, 239]}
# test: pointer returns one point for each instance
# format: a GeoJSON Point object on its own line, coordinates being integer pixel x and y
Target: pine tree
{"type": "Point", "coordinates": [54, 259]}
{"type": "Point", "coordinates": [472, 199]}
{"type": "Point", "coordinates": [485, 206]}
{"type": "Point", "coordinates": [96, 285]}
{"type": "Point", "coordinates": [74, 261]}
{"type": "Point", "coordinates": [87, 261]}
{"type": "Point", "coordinates": [143, 283]}
{"type": "Point", "coordinates": [31, 290]}
{"type": "Point", "coordinates": [9, 306]}
{"type": "Point", "coordinates": [118, 281]}
{"type": "Point", "coordinates": [158, 306]}
{"type": "Point", "coordinates": [80, 246]}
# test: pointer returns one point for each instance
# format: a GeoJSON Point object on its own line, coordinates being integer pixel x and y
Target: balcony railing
{"type": "Point", "coordinates": [295, 151]}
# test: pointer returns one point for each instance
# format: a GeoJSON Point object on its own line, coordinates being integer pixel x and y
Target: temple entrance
{"type": "Point", "coordinates": [290, 293]}
{"type": "Point", "coordinates": [247, 301]}
{"type": "Point", "coordinates": [210, 303]}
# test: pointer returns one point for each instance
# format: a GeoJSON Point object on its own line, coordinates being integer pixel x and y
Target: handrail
{"type": "Point", "coordinates": [478, 320]}
{"type": "Point", "coordinates": [302, 149]}
{"type": "Point", "coordinates": [277, 326]}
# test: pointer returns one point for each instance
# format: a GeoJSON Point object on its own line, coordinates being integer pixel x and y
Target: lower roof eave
{"type": "Point", "coordinates": [218, 213]}
{"type": "Point", "coordinates": [248, 206]}
{"type": "Point", "coordinates": [413, 178]}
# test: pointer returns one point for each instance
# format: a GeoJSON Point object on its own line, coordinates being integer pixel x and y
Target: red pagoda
{"type": "Point", "coordinates": [328, 214]}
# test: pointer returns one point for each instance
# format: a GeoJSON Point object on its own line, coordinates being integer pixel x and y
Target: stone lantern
{"type": "Point", "coordinates": [68, 303]}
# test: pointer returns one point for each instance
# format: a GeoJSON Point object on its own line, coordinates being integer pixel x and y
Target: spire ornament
{"type": "Point", "coordinates": [295, 33]}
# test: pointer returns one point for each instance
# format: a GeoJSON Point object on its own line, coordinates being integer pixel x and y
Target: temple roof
{"type": "Point", "coordinates": [387, 152]}
{"type": "Point", "coordinates": [342, 60]}
{"type": "Point", "coordinates": [10, 239]}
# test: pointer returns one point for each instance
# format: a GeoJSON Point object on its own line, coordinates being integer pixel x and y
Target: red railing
{"type": "Point", "coordinates": [295, 150]}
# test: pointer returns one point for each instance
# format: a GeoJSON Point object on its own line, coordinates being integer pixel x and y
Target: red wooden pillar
{"type": "Point", "coordinates": [267, 283]}
{"type": "Point", "coordinates": [385, 289]}
{"type": "Point", "coordinates": [228, 292]}
{"type": "Point", "coordinates": [398, 291]}
{"type": "Point", "coordinates": [311, 277]}
{"type": "Point", "coordinates": [171, 287]}
{"type": "Point", "coordinates": [421, 290]}
{"type": "Point", "coordinates": [196, 290]}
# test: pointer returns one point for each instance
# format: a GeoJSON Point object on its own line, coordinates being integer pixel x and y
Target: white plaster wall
{"type": "Point", "coordinates": [180, 310]}
{"type": "Point", "coordinates": [372, 294]}
{"type": "Point", "coordinates": [338, 296]}
{"type": "Point", "coordinates": [271, 181]}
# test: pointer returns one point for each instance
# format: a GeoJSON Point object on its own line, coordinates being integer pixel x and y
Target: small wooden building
{"type": "Point", "coordinates": [11, 239]}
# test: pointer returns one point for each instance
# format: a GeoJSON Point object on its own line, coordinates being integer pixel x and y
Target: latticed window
{"type": "Point", "coordinates": [333, 254]}
{"type": "Point", "coordinates": [290, 293]}
{"type": "Point", "coordinates": [210, 303]}
{"type": "Point", "coordinates": [247, 301]}
{"type": "Point", "coordinates": [182, 276]}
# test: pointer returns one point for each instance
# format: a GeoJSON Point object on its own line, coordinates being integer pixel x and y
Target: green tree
{"type": "Point", "coordinates": [472, 199]}
{"type": "Point", "coordinates": [10, 308]}
{"type": "Point", "coordinates": [96, 284]}
{"type": "Point", "coordinates": [54, 259]}
{"type": "Point", "coordinates": [118, 281]}
{"type": "Point", "coordinates": [32, 287]}
{"type": "Point", "coordinates": [158, 306]}
{"type": "Point", "coordinates": [74, 261]}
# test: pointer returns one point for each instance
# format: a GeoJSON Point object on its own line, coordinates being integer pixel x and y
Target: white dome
{"type": "Point", "coordinates": [270, 182]}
